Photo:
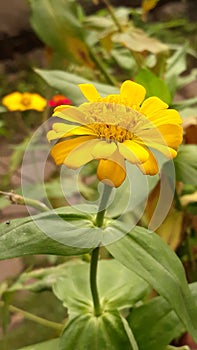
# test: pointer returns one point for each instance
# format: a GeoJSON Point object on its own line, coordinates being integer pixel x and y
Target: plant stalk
{"type": "Point", "coordinates": [29, 316]}
{"type": "Point", "coordinates": [95, 253]}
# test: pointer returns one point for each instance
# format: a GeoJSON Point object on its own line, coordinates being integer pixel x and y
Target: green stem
{"type": "Point", "coordinates": [17, 199]}
{"type": "Point", "coordinates": [95, 254]}
{"type": "Point", "coordinates": [29, 316]}
{"type": "Point", "coordinates": [113, 16]}
{"type": "Point", "coordinates": [109, 78]}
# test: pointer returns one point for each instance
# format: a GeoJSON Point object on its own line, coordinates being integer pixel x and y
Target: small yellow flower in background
{"type": "Point", "coordinates": [17, 101]}
{"type": "Point", "coordinates": [113, 129]}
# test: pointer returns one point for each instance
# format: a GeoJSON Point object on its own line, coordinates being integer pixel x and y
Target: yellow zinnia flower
{"type": "Point", "coordinates": [113, 129]}
{"type": "Point", "coordinates": [17, 101]}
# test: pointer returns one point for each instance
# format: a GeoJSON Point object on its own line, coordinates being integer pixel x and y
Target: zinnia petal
{"type": "Point", "coordinates": [81, 154]}
{"type": "Point", "coordinates": [152, 105]}
{"type": "Point", "coordinates": [112, 171]}
{"type": "Point", "coordinates": [61, 150]}
{"type": "Point", "coordinates": [103, 149]}
{"type": "Point", "coordinates": [61, 130]}
{"type": "Point", "coordinates": [133, 152]}
{"type": "Point", "coordinates": [132, 93]}
{"type": "Point", "coordinates": [90, 92]}
{"type": "Point", "coordinates": [71, 114]}
{"type": "Point", "coordinates": [172, 134]}
{"type": "Point", "coordinates": [150, 167]}
{"type": "Point", "coordinates": [167, 116]}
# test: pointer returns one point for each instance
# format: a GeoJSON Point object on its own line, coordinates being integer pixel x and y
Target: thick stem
{"type": "Point", "coordinates": [95, 254]}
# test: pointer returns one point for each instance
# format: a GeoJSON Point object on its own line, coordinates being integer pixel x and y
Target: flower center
{"type": "Point", "coordinates": [111, 133]}
{"type": "Point", "coordinates": [25, 100]}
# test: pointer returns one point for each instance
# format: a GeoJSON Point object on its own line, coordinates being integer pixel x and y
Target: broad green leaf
{"type": "Point", "coordinates": [26, 236]}
{"type": "Point", "coordinates": [186, 164]}
{"type": "Point", "coordinates": [144, 253]}
{"type": "Point", "coordinates": [64, 33]}
{"type": "Point", "coordinates": [118, 287]}
{"type": "Point", "coordinates": [184, 347]}
{"type": "Point", "coordinates": [67, 83]}
{"type": "Point", "coordinates": [159, 323]}
{"type": "Point", "coordinates": [46, 345]}
{"type": "Point", "coordinates": [107, 332]}
{"type": "Point", "coordinates": [154, 85]}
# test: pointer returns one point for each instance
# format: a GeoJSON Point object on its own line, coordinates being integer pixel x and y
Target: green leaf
{"type": "Point", "coordinates": [186, 164]}
{"type": "Point", "coordinates": [66, 83]}
{"type": "Point", "coordinates": [118, 287]}
{"type": "Point", "coordinates": [64, 33]}
{"type": "Point", "coordinates": [176, 64]}
{"type": "Point", "coordinates": [154, 85]}
{"type": "Point", "coordinates": [107, 332]}
{"type": "Point", "coordinates": [144, 253]}
{"type": "Point", "coordinates": [49, 345]}
{"type": "Point", "coordinates": [26, 236]}
{"type": "Point", "coordinates": [158, 331]}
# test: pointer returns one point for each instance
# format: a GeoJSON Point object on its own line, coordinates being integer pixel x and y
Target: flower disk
{"type": "Point", "coordinates": [113, 129]}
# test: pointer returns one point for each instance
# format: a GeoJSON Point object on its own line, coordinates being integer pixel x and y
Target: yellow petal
{"type": "Point", "coordinates": [112, 171]}
{"type": "Point", "coordinates": [133, 152]}
{"type": "Point", "coordinates": [103, 149]}
{"type": "Point", "coordinates": [61, 150]}
{"type": "Point", "coordinates": [132, 93]}
{"type": "Point", "coordinates": [167, 116]}
{"type": "Point", "coordinates": [90, 92]}
{"type": "Point", "coordinates": [61, 108]}
{"type": "Point", "coordinates": [81, 154]}
{"type": "Point", "coordinates": [152, 105]}
{"type": "Point", "coordinates": [150, 167]}
{"type": "Point", "coordinates": [71, 114]}
{"type": "Point", "coordinates": [172, 134]}
{"type": "Point", "coordinates": [66, 130]}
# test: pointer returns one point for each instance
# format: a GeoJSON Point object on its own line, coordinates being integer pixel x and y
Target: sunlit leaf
{"type": "Point", "coordinates": [137, 40]}
{"type": "Point", "coordinates": [144, 253]}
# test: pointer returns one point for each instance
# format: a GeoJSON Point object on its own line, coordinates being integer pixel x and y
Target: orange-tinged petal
{"type": "Point", "coordinates": [152, 105]}
{"type": "Point", "coordinates": [90, 92]}
{"type": "Point", "coordinates": [150, 167]}
{"type": "Point", "coordinates": [133, 152]}
{"type": "Point", "coordinates": [132, 93]}
{"type": "Point", "coordinates": [112, 171]}
{"type": "Point", "coordinates": [81, 154]}
{"type": "Point", "coordinates": [103, 149]}
{"type": "Point", "coordinates": [61, 150]}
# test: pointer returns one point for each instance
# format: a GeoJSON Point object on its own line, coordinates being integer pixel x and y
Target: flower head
{"type": "Point", "coordinates": [58, 100]}
{"type": "Point", "coordinates": [17, 101]}
{"type": "Point", "coordinates": [113, 129]}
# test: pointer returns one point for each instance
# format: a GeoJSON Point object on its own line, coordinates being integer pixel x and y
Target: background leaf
{"type": "Point", "coordinates": [118, 287]}
{"type": "Point", "coordinates": [186, 164]}
{"type": "Point", "coordinates": [154, 85]}
{"type": "Point", "coordinates": [21, 237]}
{"type": "Point", "coordinates": [147, 255]}
{"type": "Point", "coordinates": [66, 83]}
{"type": "Point", "coordinates": [64, 33]}
{"type": "Point", "coordinates": [49, 345]}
